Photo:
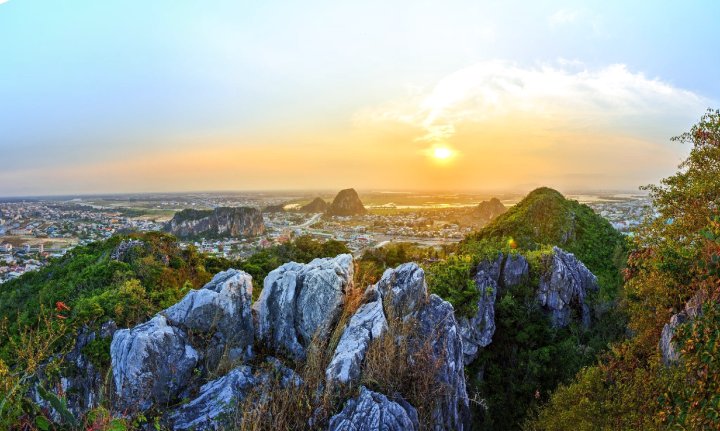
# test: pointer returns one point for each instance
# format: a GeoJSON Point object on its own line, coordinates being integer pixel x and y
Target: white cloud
{"type": "Point", "coordinates": [557, 96]}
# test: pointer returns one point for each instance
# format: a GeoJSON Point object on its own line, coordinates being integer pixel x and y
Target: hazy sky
{"type": "Point", "coordinates": [160, 95]}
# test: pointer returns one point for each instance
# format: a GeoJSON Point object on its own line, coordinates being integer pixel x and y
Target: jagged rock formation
{"type": "Point", "coordinates": [368, 323]}
{"type": "Point", "coordinates": [403, 290]}
{"type": "Point", "coordinates": [83, 391]}
{"type": "Point", "coordinates": [162, 361]}
{"type": "Point", "coordinates": [214, 399]}
{"type": "Point", "coordinates": [217, 398]}
{"type": "Point", "coordinates": [488, 210]}
{"type": "Point", "coordinates": [298, 300]}
{"type": "Point", "coordinates": [220, 222]}
{"type": "Point", "coordinates": [154, 362]}
{"type": "Point", "coordinates": [346, 203]}
{"type": "Point", "coordinates": [221, 310]}
{"type": "Point", "coordinates": [151, 364]}
{"type": "Point", "coordinates": [515, 271]}
{"type": "Point", "coordinates": [565, 287]}
{"type": "Point", "coordinates": [372, 411]}
{"type": "Point", "coordinates": [403, 299]}
{"type": "Point", "coordinates": [439, 328]}
{"type": "Point", "coordinates": [477, 331]}
{"type": "Point", "coordinates": [693, 308]}
{"type": "Point", "coordinates": [318, 205]}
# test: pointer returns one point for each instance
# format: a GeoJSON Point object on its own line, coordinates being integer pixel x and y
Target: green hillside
{"type": "Point", "coordinates": [545, 218]}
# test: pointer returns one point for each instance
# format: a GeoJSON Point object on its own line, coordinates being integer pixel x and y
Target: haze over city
{"type": "Point", "coordinates": [112, 97]}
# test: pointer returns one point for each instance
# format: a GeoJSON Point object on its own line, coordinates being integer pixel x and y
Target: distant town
{"type": "Point", "coordinates": [33, 231]}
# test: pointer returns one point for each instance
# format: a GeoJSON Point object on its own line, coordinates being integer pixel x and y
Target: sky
{"type": "Point", "coordinates": [159, 95]}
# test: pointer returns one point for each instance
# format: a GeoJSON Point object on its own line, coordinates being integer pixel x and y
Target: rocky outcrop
{"type": "Point", "coordinates": [516, 271]}
{"type": "Point", "coordinates": [221, 310]}
{"type": "Point", "coordinates": [372, 411]}
{"type": "Point", "coordinates": [437, 326]}
{"type": "Point", "coordinates": [368, 323]}
{"type": "Point", "coordinates": [299, 300]}
{"type": "Point", "coordinates": [216, 400]}
{"type": "Point", "coordinates": [151, 364]}
{"type": "Point", "coordinates": [161, 361]}
{"type": "Point", "coordinates": [81, 382]}
{"type": "Point", "coordinates": [564, 287]}
{"type": "Point", "coordinates": [399, 304]}
{"type": "Point", "coordinates": [488, 210]}
{"type": "Point", "coordinates": [693, 308]}
{"type": "Point", "coordinates": [220, 222]}
{"type": "Point", "coordinates": [346, 203]}
{"type": "Point", "coordinates": [478, 330]}
{"type": "Point", "coordinates": [403, 290]}
{"type": "Point", "coordinates": [318, 205]}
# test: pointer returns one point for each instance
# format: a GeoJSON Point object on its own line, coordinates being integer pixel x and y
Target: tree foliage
{"type": "Point", "coordinates": [675, 257]}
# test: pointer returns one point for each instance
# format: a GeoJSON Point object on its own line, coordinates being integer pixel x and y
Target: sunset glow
{"type": "Point", "coordinates": [236, 97]}
{"type": "Point", "coordinates": [442, 153]}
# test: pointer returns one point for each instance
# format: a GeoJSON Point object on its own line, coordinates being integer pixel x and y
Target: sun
{"type": "Point", "coordinates": [442, 153]}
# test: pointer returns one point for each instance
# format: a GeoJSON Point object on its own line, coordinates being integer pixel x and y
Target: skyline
{"type": "Point", "coordinates": [133, 97]}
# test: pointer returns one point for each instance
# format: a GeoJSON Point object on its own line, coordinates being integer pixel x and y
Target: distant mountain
{"type": "Point", "coordinates": [488, 210]}
{"type": "Point", "coordinates": [346, 203]}
{"type": "Point", "coordinates": [318, 205]}
{"type": "Point", "coordinates": [220, 222]}
{"type": "Point", "coordinates": [545, 218]}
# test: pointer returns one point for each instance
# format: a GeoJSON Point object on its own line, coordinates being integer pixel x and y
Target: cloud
{"type": "Point", "coordinates": [546, 122]}
{"type": "Point", "coordinates": [557, 96]}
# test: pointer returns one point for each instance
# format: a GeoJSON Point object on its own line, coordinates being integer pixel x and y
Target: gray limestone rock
{"type": "Point", "coordinates": [372, 411]}
{"type": "Point", "coordinates": [437, 326]}
{"type": "Point", "coordinates": [477, 332]}
{"type": "Point", "coordinates": [299, 301]}
{"type": "Point", "coordinates": [222, 308]}
{"type": "Point", "coordinates": [214, 403]}
{"type": "Point", "coordinates": [516, 271]}
{"type": "Point", "coordinates": [213, 407]}
{"type": "Point", "coordinates": [403, 290]}
{"type": "Point", "coordinates": [151, 363]}
{"type": "Point", "coordinates": [368, 323]}
{"type": "Point", "coordinates": [565, 286]}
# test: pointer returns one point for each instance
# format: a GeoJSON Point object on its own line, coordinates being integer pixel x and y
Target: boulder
{"type": "Point", "coordinates": [403, 290]}
{"type": "Point", "coordinates": [437, 326]}
{"type": "Point", "coordinates": [565, 286]}
{"type": "Point", "coordinates": [151, 363]}
{"type": "Point", "coordinates": [221, 310]}
{"type": "Point", "coordinates": [368, 323]}
{"type": "Point", "coordinates": [372, 411]}
{"type": "Point", "coordinates": [214, 405]}
{"type": "Point", "coordinates": [215, 400]}
{"type": "Point", "coordinates": [322, 294]}
{"type": "Point", "coordinates": [299, 301]}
